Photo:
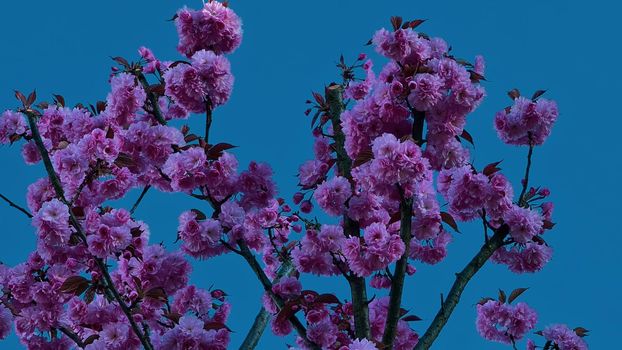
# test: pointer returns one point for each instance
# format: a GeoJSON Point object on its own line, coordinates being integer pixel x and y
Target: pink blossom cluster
{"type": "Point", "coordinates": [527, 122]}
{"type": "Point", "coordinates": [215, 27]}
{"type": "Point", "coordinates": [564, 338]}
{"type": "Point", "coordinates": [503, 322]}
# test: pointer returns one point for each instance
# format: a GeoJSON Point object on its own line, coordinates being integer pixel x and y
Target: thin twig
{"type": "Point", "coordinates": [521, 198]}
{"type": "Point", "coordinates": [208, 118]}
{"type": "Point", "coordinates": [11, 203]}
{"type": "Point", "coordinates": [140, 198]}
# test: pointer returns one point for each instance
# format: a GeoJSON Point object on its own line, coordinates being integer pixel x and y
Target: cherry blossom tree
{"type": "Point", "coordinates": [392, 167]}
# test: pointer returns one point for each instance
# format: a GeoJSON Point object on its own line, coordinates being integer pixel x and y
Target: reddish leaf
{"type": "Point", "coordinates": [100, 106]}
{"type": "Point", "coordinates": [20, 97]}
{"type": "Point", "coordinates": [318, 98]}
{"type": "Point", "coordinates": [363, 157]}
{"type": "Point", "coordinates": [191, 137]}
{"type": "Point", "coordinates": [200, 215]}
{"type": "Point", "coordinates": [172, 18]}
{"type": "Point", "coordinates": [157, 293]}
{"type": "Point", "coordinates": [581, 332]}
{"type": "Point", "coordinates": [476, 77]}
{"type": "Point", "coordinates": [157, 89]}
{"type": "Point", "coordinates": [31, 98]}
{"type": "Point", "coordinates": [122, 61]}
{"type": "Point", "coordinates": [173, 316]}
{"type": "Point", "coordinates": [327, 299]}
{"type": "Point", "coordinates": [514, 94]}
{"type": "Point", "coordinates": [502, 297]}
{"type": "Point", "coordinates": [515, 294]}
{"type": "Point", "coordinates": [410, 318]}
{"type": "Point", "coordinates": [414, 24]}
{"type": "Point", "coordinates": [75, 285]}
{"type": "Point", "coordinates": [219, 147]}
{"type": "Point", "coordinates": [212, 325]}
{"type": "Point", "coordinates": [395, 217]}
{"type": "Point", "coordinates": [124, 160]}
{"type": "Point", "coordinates": [136, 231]}
{"type": "Point", "coordinates": [90, 339]}
{"type": "Point", "coordinates": [483, 301]}
{"type": "Point", "coordinates": [449, 220]}
{"type": "Point", "coordinates": [369, 42]}
{"type": "Point", "coordinates": [287, 311]}
{"type": "Point", "coordinates": [59, 100]}
{"type": "Point", "coordinates": [537, 94]}
{"type": "Point", "coordinates": [396, 22]}
{"type": "Point", "coordinates": [491, 168]}
{"type": "Point", "coordinates": [314, 119]}
{"type": "Point", "coordinates": [548, 225]}
{"type": "Point", "coordinates": [465, 135]}
{"type": "Point", "coordinates": [89, 296]}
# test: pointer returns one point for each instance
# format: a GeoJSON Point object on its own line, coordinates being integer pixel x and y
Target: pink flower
{"type": "Point", "coordinates": [6, 319]}
{"type": "Point", "coordinates": [524, 223]}
{"type": "Point", "coordinates": [503, 322]}
{"type": "Point", "coordinates": [332, 195]}
{"type": "Point", "coordinates": [215, 27]}
{"type": "Point", "coordinates": [125, 98]}
{"type": "Point", "coordinates": [426, 91]}
{"type": "Point", "coordinates": [564, 338]}
{"type": "Point", "coordinates": [526, 122]}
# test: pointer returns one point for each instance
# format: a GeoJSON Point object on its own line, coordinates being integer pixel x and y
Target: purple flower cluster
{"type": "Point", "coordinates": [526, 122]}
{"type": "Point", "coordinates": [205, 83]}
{"type": "Point", "coordinates": [375, 251]}
{"type": "Point", "coordinates": [504, 323]}
{"type": "Point", "coordinates": [564, 338]}
{"type": "Point", "coordinates": [215, 27]}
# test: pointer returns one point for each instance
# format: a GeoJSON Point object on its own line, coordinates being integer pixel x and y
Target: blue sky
{"type": "Point", "coordinates": [290, 48]}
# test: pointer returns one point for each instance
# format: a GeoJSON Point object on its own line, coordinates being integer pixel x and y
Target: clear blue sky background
{"type": "Point", "coordinates": [289, 49]}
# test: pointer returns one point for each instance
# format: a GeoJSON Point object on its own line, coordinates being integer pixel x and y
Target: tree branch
{"type": "Point", "coordinates": [521, 198]}
{"type": "Point", "coordinates": [12, 204]}
{"type": "Point", "coordinates": [397, 282]}
{"type": "Point", "coordinates": [267, 286]}
{"type": "Point", "coordinates": [73, 336]}
{"type": "Point", "coordinates": [462, 279]}
{"type": "Point", "coordinates": [56, 184]}
{"type": "Point", "coordinates": [263, 316]}
{"type": "Point", "coordinates": [358, 288]}
{"type": "Point", "coordinates": [140, 198]}
{"type": "Point", "coordinates": [208, 117]}
{"type": "Point", "coordinates": [153, 99]}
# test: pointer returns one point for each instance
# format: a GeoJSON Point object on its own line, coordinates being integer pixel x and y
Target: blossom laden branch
{"type": "Point", "coordinates": [462, 279]}
{"type": "Point", "coordinates": [263, 316]}
{"type": "Point", "coordinates": [31, 114]}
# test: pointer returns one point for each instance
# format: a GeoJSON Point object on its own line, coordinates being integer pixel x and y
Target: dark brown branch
{"type": "Point", "coordinates": [261, 320]}
{"type": "Point", "coordinates": [73, 336]}
{"type": "Point", "coordinates": [521, 198]}
{"type": "Point", "coordinates": [397, 282]}
{"type": "Point", "coordinates": [12, 204]}
{"type": "Point", "coordinates": [140, 198]}
{"type": "Point", "coordinates": [267, 286]}
{"type": "Point", "coordinates": [462, 279]}
{"type": "Point", "coordinates": [208, 118]}
{"type": "Point", "coordinates": [60, 193]}
{"type": "Point", "coordinates": [152, 97]}
{"type": "Point", "coordinates": [358, 288]}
